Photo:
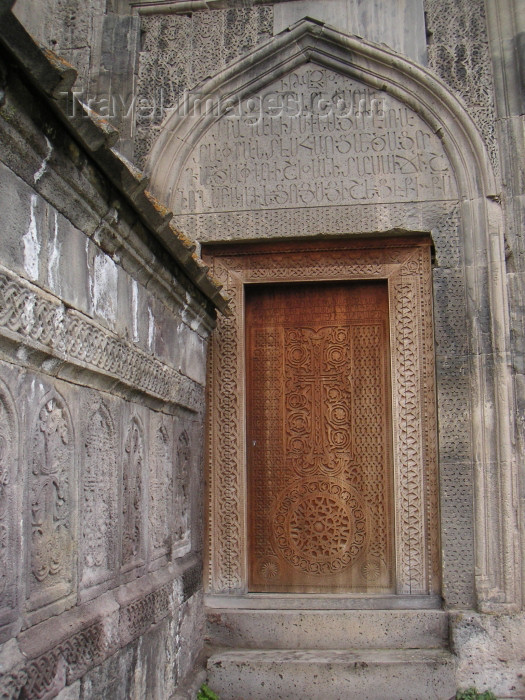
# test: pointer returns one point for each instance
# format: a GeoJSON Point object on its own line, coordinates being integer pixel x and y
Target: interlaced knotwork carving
{"type": "Point", "coordinates": [138, 616]}
{"type": "Point", "coordinates": [318, 400]}
{"type": "Point", "coordinates": [409, 436]}
{"type": "Point", "coordinates": [67, 334]}
{"type": "Point", "coordinates": [227, 485]}
{"type": "Point", "coordinates": [216, 226]}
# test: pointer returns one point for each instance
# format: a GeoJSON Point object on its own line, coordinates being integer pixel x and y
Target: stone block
{"type": "Point", "coordinates": [490, 652]}
{"type": "Point", "coordinates": [191, 630]}
{"type": "Point", "coordinates": [450, 320]}
{"type": "Point", "coordinates": [114, 678]}
{"type": "Point", "coordinates": [353, 675]}
{"type": "Point", "coordinates": [454, 408]}
{"type": "Point", "coordinates": [400, 25]}
{"type": "Point", "coordinates": [326, 629]}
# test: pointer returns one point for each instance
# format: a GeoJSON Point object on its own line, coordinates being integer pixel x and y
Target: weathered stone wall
{"type": "Point", "coordinates": [103, 339]}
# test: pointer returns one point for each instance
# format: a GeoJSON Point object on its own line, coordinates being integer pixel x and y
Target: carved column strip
{"type": "Point", "coordinates": [226, 476]}
{"type": "Point", "coordinates": [407, 434]}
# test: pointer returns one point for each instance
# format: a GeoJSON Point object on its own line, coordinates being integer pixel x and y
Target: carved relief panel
{"type": "Point", "coordinates": [133, 490]}
{"type": "Point", "coordinates": [399, 494]}
{"type": "Point", "coordinates": [319, 437]}
{"type": "Point", "coordinates": [161, 493]}
{"type": "Point", "coordinates": [99, 497]}
{"type": "Point", "coordinates": [52, 483]}
{"type": "Point", "coordinates": [8, 528]}
{"type": "Point", "coordinates": [182, 532]}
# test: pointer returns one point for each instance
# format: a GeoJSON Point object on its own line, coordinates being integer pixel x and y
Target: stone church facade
{"type": "Point", "coordinates": [261, 321]}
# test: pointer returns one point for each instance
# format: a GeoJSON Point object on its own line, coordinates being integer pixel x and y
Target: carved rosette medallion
{"type": "Point", "coordinates": [51, 501]}
{"type": "Point", "coordinates": [321, 526]}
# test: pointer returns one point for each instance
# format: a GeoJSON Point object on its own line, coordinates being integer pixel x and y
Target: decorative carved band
{"type": "Point", "coordinates": [405, 263]}
{"type": "Point", "coordinates": [71, 336]}
{"type": "Point", "coordinates": [45, 675]}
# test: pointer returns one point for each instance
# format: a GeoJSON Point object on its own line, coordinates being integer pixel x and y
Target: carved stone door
{"type": "Point", "coordinates": [319, 454]}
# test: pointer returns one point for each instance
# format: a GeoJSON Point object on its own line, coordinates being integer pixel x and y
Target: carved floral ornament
{"type": "Point", "coordinates": [460, 144]}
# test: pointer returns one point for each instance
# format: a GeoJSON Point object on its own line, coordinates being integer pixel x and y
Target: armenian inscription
{"type": "Point", "coordinates": [315, 138]}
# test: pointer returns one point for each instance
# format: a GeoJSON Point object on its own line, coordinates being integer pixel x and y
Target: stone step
{"type": "Point", "coordinates": [327, 629]}
{"type": "Point", "coordinates": [399, 674]}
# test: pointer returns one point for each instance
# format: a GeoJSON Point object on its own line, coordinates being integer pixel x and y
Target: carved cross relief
{"type": "Point", "coordinates": [291, 509]}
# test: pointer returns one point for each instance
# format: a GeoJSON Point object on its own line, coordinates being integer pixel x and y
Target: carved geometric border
{"type": "Point", "coordinates": [42, 321]}
{"type": "Point", "coordinates": [405, 263]}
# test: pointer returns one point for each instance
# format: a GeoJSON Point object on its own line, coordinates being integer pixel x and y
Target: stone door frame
{"type": "Point", "coordinates": [487, 404]}
{"type": "Point", "coordinates": [405, 264]}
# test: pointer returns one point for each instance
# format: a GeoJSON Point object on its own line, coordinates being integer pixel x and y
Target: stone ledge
{"type": "Point", "coordinates": [350, 674]}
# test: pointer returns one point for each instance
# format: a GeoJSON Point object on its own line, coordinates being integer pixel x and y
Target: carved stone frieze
{"type": "Point", "coordinates": [29, 316]}
{"type": "Point", "coordinates": [52, 503]}
{"type": "Point", "coordinates": [243, 225]}
{"type": "Point", "coordinates": [405, 263]}
{"type": "Point", "coordinates": [137, 616]}
{"type": "Point", "coordinates": [44, 675]}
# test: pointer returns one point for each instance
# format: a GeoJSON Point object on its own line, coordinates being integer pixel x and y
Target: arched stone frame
{"type": "Point", "coordinates": [495, 472]}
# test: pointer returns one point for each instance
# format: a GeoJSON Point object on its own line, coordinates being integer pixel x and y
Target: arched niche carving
{"type": "Point", "coordinates": [473, 194]}
{"type": "Point", "coordinates": [52, 489]}
{"type": "Point", "coordinates": [99, 497]}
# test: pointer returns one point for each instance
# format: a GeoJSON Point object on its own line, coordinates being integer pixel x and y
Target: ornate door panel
{"type": "Point", "coordinates": [319, 438]}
